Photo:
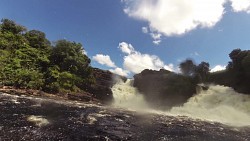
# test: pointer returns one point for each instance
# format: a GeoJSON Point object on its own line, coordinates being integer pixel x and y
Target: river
{"type": "Point", "coordinates": [218, 114]}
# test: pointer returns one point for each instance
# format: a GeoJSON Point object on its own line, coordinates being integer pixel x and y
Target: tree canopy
{"type": "Point", "coordinates": [28, 60]}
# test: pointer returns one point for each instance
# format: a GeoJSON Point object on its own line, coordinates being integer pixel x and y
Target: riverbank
{"type": "Point", "coordinates": [83, 96]}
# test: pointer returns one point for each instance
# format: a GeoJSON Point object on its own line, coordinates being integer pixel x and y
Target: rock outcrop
{"type": "Point", "coordinates": [164, 89]}
{"type": "Point", "coordinates": [101, 90]}
{"type": "Point", "coordinates": [239, 81]}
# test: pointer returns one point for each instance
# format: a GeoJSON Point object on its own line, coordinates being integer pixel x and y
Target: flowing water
{"type": "Point", "coordinates": [217, 104]}
{"type": "Point", "coordinates": [218, 114]}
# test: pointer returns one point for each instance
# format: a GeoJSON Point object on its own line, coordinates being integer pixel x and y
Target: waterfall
{"type": "Point", "coordinates": [127, 96]}
{"type": "Point", "coordinates": [217, 104]}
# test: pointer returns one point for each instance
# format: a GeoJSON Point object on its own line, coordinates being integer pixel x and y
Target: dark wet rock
{"type": "Point", "coordinates": [165, 89]}
{"type": "Point", "coordinates": [101, 90]}
{"type": "Point", "coordinates": [86, 97]}
{"type": "Point", "coordinates": [239, 81]}
{"type": "Point", "coordinates": [71, 121]}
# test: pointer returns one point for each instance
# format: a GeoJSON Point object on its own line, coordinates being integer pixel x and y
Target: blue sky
{"type": "Point", "coordinates": [119, 35]}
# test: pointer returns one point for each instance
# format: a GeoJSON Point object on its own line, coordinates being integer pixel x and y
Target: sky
{"type": "Point", "coordinates": [127, 36]}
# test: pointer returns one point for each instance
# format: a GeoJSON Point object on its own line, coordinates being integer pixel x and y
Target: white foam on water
{"type": "Point", "coordinates": [91, 119]}
{"type": "Point", "coordinates": [38, 120]}
{"type": "Point", "coordinates": [217, 104]}
{"type": "Point", "coordinates": [127, 96]}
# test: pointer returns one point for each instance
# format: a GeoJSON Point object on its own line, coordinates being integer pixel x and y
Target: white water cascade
{"type": "Point", "coordinates": [217, 104]}
{"type": "Point", "coordinates": [127, 96]}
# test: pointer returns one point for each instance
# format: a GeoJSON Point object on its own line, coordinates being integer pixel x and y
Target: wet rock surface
{"type": "Point", "coordinates": [101, 90]}
{"type": "Point", "coordinates": [29, 118]}
{"type": "Point", "coordinates": [164, 89]}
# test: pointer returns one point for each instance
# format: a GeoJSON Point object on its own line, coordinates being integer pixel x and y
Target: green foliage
{"type": "Point", "coordinates": [199, 73]}
{"type": "Point", "coordinates": [240, 61]}
{"type": "Point", "coordinates": [28, 60]}
{"type": "Point", "coordinates": [69, 57]}
{"type": "Point", "coordinates": [29, 79]}
{"type": "Point", "coordinates": [10, 26]}
{"type": "Point", "coordinates": [37, 39]}
{"type": "Point", "coordinates": [187, 67]}
{"type": "Point", "coordinates": [202, 70]}
{"type": "Point", "coordinates": [237, 74]}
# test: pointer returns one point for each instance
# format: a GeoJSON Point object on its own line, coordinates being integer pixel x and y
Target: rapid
{"type": "Point", "coordinates": [216, 114]}
{"type": "Point", "coordinates": [217, 104]}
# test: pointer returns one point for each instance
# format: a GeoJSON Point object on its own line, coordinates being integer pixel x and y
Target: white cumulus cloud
{"type": "Point", "coordinates": [135, 61]}
{"type": "Point", "coordinates": [104, 60]}
{"type": "Point", "coordinates": [218, 68]}
{"type": "Point", "coordinates": [119, 71]}
{"type": "Point", "coordinates": [175, 17]}
{"type": "Point", "coordinates": [241, 5]}
{"type": "Point", "coordinates": [126, 48]}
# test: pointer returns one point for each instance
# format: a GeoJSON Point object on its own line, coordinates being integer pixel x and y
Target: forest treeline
{"type": "Point", "coordinates": [236, 74]}
{"type": "Point", "coordinates": [164, 89]}
{"type": "Point", "coordinates": [29, 60]}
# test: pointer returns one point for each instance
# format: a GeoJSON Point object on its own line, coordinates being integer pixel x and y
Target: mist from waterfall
{"type": "Point", "coordinates": [217, 104]}
{"type": "Point", "coordinates": [127, 96]}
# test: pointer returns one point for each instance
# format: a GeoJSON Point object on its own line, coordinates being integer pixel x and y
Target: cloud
{"type": "Point", "coordinates": [175, 17]}
{"type": "Point", "coordinates": [84, 52]}
{"type": "Point", "coordinates": [135, 61]}
{"type": "Point", "coordinates": [144, 29]}
{"type": "Point", "coordinates": [194, 54]}
{"type": "Point", "coordinates": [157, 42]}
{"type": "Point", "coordinates": [241, 5]}
{"type": "Point", "coordinates": [104, 60]}
{"type": "Point", "coordinates": [126, 48]}
{"type": "Point", "coordinates": [169, 67]}
{"type": "Point", "coordinates": [218, 68]}
{"type": "Point", "coordinates": [156, 38]}
{"type": "Point", "coordinates": [120, 71]}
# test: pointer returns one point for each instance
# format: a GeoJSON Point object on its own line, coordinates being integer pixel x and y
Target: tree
{"type": "Point", "coordinates": [203, 70]}
{"type": "Point", "coordinates": [28, 60]}
{"type": "Point", "coordinates": [230, 65]}
{"type": "Point", "coordinates": [237, 56]}
{"type": "Point", "coordinates": [69, 57]}
{"type": "Point", "coordinates": [71, 65]}
{"type": "Point", "coordinates": [10, 26]}
{"type": "Point", "coordinates": [246, 65]}
{"type": "Point", "coordinates": [187, 67]}
{"type": "Point", "coordinates": [233, 55]}
{"type": "Point", "coordinates": [37, 39]}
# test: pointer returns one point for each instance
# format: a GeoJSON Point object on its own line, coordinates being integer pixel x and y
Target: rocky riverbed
{"type": "Point", "coordinates": [34, 118]}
